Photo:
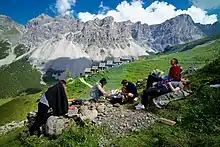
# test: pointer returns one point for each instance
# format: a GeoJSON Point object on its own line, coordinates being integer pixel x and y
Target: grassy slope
{"type": "Point", "coordinates": [140, 69]}
{"type": "Point", "coordinates": [17, 78]}
{"type": "Point", "coordinates": [5, 139]}
{"type": "Point", "coordinates": [159, 134]}
{"type": "Point", "coordinates": [190, 45]}
{"type": "Point", "coordinates": [199, 123]}
{"type": "Point", "coordinates": [17, 109]}
{"type": "Point", "coordinates": [3, 101]}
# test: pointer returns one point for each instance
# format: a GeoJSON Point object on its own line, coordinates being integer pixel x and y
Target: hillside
{"type": "Point", "coordinates": [140, 69]}
{"type": "Point", "coordinates": [133, 71]}
{"type": "Point", "coordinates": [191, 45]}
{"type": "Point", "coordinates": [19, 78]}
{"type": "Point", "coordinates": [197, 117]}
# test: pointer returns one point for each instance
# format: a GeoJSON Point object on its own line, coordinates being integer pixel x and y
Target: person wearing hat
{"type": "Point", "coordinates": [98, 90]}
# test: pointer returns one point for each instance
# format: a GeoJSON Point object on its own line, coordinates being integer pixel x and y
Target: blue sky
{"type": "Point", "coordinates": [24, 10]}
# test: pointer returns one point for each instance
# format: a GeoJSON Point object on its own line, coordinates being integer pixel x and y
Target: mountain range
{"type": "Point", "coordinates": [65, 43]}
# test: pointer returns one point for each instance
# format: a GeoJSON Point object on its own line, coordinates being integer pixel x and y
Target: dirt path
{"type": "Point", "coordinates": [83, 81]}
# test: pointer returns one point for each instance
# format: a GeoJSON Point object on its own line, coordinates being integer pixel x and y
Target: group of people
{"type": "Point", "coordinates": [55, 97]}
{"type": "Point", "coordinates": [171, 83]}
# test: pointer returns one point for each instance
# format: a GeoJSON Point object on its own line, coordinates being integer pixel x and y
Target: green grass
{"type": "Point", "coordinates": [86, 136]}
{"type": "Point", "coordinates": [199, 114]}
{"type": "Point", "coordinates": [199, 123]}
{"type": "Point", "coordinates": [197, 118]}
{"type": "Point", "coordinates": [5, 140]}
{"type": "Point", "coordinates": [191, 45]}
{"type": "Point", "coordinates": [141, 69]}
{"type": "Point", "coordinates": [79, 90]}
{"type": "Point", "coordinates": [3, 101]}
{"type": "Point", "coordinates": [17, 109]}
{"type": "Point", "coordinates": [17, 78]}
{"type": "Point", "coordinates": [4, 49]}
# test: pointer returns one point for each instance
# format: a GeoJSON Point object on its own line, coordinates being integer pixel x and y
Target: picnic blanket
{"type": "Point", "coordinates": [164, 100]}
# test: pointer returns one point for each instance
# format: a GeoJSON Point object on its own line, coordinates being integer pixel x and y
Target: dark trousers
{"type": "Point", "coordinates": [151, 79]}
{"type": "Point", "coordinates": [40, 119]}
{"type": "Point", "coordinates": [154, 92]}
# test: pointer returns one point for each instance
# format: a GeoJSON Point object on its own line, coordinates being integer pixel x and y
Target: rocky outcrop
{"type": "Point", "coordinates": [177, 30]}
{"type": "Point", "coordinates": [117, 118]}
{"type": "Point", "coordinates": [10, 29]}
{"type": "Point", "coordinates": [121, 120]}
{"type": "Point", "coordinates": [108, 35]}
{"type": "Point", "coordinates": [55, 125]}
{"type": "Point", "coordinates": [88, 113]}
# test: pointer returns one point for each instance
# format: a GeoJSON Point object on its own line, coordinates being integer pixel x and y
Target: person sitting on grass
{"type": "Point", "coordinates": [130, 91]}
{"type": "Point", "coordinates": [174, 74]}
{"type": "Point", "coordinates": [55, 97]}
{"type": "Point", "coordinates": [161, 89]}
{"type": "Point", "coordinates": [98, 90]}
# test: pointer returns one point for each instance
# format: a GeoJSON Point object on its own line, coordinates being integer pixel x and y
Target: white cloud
{"type": "Point", "coordinates": [206, 4]}
{"type": "Point", "coordinates": [52, 8]}
{"type": "Point", "coordinates": [64, 6]}
{"type": "Point", "coordinates": [103, 9]}
{"type": "Point", "coordinates": [199, 15]}
{"type": "Point", "coordinates": [156, 13]}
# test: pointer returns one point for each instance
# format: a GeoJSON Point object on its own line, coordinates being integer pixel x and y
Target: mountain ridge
{"type": "Point", "coordinates": [47, 39]}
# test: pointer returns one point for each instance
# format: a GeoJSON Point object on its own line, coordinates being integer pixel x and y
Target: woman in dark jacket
{"type": "Point", "coordinates": [54, 98]}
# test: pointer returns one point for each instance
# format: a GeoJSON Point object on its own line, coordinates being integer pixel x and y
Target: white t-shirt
{"type": "Point", "coordinates": [44, 100]}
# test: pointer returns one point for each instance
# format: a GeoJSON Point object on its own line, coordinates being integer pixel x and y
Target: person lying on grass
{"type": "Point", "coordinates": [56, 99]}
{"type": "Point", "coordinates": [174, 74]}
{"type": "Point", "coordinates": [130, 91]}
{"type": "Point", "coordinates": [161, 89]}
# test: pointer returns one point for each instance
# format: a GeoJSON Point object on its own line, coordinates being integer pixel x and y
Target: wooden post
{"type": "Point", "coordinates": [167, 121]}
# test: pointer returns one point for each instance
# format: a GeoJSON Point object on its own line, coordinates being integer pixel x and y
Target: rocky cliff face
{"type": "Point", "coordinates": [64, 39]}
{"type": "Point", "coordinates": [210, 29]}
{"type": "Point", "coordinates": [97, 39]}
{"type": "Point", "coordinates": [10, 30]}
{"type": "Point", "coordinates": [10, 34]}
{"type": "Point", "coordinates": [177, 30]}
{"type": "Point", "coordinates": [102, 38]}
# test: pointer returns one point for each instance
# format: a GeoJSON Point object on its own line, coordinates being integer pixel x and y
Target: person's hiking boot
{"type": "Point", "coordinates": [215, 86]}
{"type": "Point", "coordinates": [215, 83]}
{"type": "Point", "coordinates": [140, 107]}
{"type": "Point", "coordinates": [116, 105]}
